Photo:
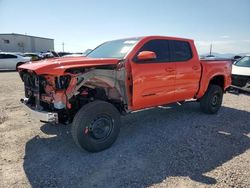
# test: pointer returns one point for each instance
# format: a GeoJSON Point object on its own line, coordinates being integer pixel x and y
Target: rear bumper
{"type": "Point", "coordinates": [51, 117]}
{"type": "Point", "coordinates": [241, 82]}
{"type": "Point", "coordinates": [244, 88]}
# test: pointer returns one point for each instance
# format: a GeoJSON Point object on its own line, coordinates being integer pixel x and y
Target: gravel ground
{"type": "Point", "coordinates": [176, 147]}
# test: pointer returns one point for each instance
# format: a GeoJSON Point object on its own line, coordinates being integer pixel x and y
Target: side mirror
{"type": "Point", "coordinates": [146, 55]}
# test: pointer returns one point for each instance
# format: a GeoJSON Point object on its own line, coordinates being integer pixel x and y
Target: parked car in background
{"type": "Point", "coordinates": [10, 61]}
{"type": "Point", "coordinates": [239, 56]}
{"type": "Point", "coordinates": [33, 56]}
{"type": "Point", "coordinates": [241, 74]}
{"type": "Point", "coordinates": [74, 55]}
{"type": "Point", "coordinates": [61, 54]}
{"type": "Point", "coordinates": [50, 54]}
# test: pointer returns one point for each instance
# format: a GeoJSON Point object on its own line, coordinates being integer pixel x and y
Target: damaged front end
{"type": "Point", "coordinates": [45, 95]}
{"type": "Point", "coordinates": [53, 98]}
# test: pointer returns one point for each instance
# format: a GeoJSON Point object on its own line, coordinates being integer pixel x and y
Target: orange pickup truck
{"type": "Point", "coordinates": [119, 77]}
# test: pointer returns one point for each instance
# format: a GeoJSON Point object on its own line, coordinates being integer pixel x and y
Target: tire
{"type": "Point", "coordinates": [96, 126]}
{"type": "Point", "coordinates": [211, 102]}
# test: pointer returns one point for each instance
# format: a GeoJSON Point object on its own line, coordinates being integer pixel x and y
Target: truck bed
{"type": "Point", "coordinates": [213, 68]}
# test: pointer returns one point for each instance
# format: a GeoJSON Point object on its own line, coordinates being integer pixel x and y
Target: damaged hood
{"type": "Point", "coordinates": [57, 66]}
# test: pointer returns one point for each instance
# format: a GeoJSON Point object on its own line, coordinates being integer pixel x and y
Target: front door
{"type": "Point", "coordinates": [153, 80]}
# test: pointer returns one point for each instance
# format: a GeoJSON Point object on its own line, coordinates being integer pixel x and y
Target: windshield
{"type": "Point", "coordinates": [243, 62]}
{"type": "Point", "coordinates": [114, 49]}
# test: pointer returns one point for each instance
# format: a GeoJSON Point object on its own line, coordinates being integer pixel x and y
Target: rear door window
{"type": "Point", "coordinates": [180, 51]}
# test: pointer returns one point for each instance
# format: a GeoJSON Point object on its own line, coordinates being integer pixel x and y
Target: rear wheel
{"type": "Point", "coordinates": [211, 102]}
{"type": "Point", "coordinates": [96, 126]}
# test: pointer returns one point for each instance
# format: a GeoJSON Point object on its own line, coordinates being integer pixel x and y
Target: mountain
{"type": "Point", "coordinates": [87, 51]}
{"type": "Point", "coordinates": [226, 55]}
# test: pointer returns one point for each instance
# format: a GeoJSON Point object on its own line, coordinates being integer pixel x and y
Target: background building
{"type": "Point", "coordinates": [13, 42]}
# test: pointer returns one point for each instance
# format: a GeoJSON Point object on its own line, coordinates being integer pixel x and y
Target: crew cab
{"type": "Point", "coordinates": [120, 77]}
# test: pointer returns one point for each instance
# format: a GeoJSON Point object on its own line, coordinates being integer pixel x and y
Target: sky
{"type": "Point", "coordinates": [81, 24]}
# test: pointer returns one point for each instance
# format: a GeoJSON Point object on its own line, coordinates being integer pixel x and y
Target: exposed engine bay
{"type": "Point", "coordinates": [66, 94]}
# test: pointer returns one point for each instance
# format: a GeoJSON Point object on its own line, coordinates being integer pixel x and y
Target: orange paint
{"type": "Point", "coordinates": [147, 84]}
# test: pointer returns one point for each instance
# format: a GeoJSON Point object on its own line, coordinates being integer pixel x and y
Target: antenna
{"type": "Point", "coordinates": [63, 46]}
{"type": "Point", "coordinates": [211, 47]}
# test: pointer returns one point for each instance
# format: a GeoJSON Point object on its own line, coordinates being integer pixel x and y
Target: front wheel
{"type": "Point", "coordinates": [96, 126]}
{"type": "Point", "coordinates": [211, 102]}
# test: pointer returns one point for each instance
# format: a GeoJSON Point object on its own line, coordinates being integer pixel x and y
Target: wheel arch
{"type": "Point", "coordinates": [18, 64]}
{"type": "Point", "coordinates": [219, 80]}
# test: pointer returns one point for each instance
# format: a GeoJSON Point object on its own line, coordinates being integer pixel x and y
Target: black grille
{"type": "Point", "coordinates": [240, 81]}
{"type": "Point", "coordinates": [29, 84]}
{"type": "Point", "coordinates": [29, 80]}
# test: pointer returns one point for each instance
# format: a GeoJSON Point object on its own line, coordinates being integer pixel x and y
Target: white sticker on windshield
{"type": "Point", "coordinates": [130, 42]}
{"type": "Point", "coordinates": [125, 49]}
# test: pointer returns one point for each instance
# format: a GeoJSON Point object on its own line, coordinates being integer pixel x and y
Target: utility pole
{"type": "Point", "coordinates": [63, 46]}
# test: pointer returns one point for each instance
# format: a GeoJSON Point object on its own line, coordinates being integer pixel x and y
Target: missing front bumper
{"type": "Point", "coordinates": [51, 117]}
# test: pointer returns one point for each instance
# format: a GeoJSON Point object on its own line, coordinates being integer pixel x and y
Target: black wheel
{"type": "Point", "coordinates": [96, 126]}
{"type": "Point", "coordinates": [211, 102]}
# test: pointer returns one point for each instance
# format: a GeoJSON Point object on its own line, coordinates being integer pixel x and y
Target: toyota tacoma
{"type": "Point", "coordinates": [120, 77]}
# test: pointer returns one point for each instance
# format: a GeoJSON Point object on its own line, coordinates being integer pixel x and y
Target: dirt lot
{"type": "Point", "coordinates": [177, 147]}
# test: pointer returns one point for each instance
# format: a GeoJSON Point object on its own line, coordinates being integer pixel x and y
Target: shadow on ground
{"type": "Point", "coordinates": [153, 145]}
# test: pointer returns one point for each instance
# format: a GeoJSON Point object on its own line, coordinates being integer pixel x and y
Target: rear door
{"type": "Point", "coordinates": [188, 69]}
{"type": "Point", "coordinates": [153, 80]}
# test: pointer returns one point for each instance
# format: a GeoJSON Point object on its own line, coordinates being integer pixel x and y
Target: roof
{"type": "Point", "coordinates": [167, 37]}
{"type": "Point", "coordinates": [25, 35]}
{"type": "Point", "coordinates": [152, 36]}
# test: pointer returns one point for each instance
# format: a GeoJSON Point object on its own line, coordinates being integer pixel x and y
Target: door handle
{"type": "Point", "coordinates": [195, 67]}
